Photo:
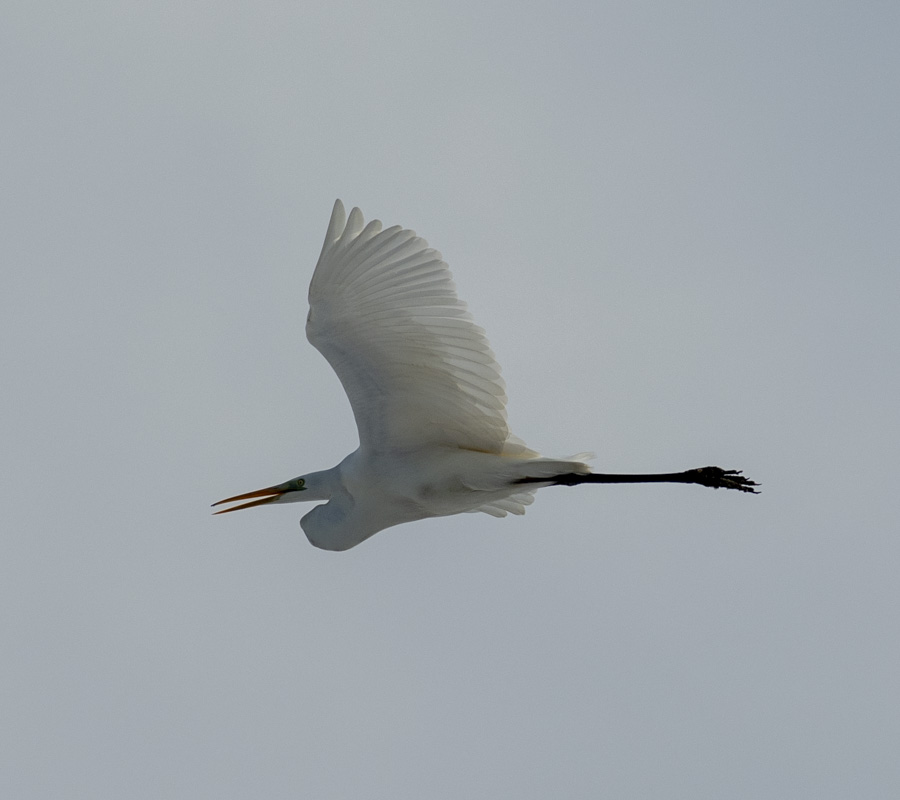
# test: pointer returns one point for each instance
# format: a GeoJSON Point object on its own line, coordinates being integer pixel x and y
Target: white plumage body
{"type": "Point", "coordinates": [369, 492]}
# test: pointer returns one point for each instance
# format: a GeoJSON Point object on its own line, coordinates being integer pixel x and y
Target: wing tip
{"type": "Point", "coordinates": [336, 225]}
{"type": "Point", "coordinates": [337, 222]}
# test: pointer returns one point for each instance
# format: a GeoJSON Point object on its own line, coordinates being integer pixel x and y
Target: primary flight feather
{"type": "Point", "coordinates": [427, 395]}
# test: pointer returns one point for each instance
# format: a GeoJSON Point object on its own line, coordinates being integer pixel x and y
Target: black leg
{"type": "Point", "coordinates": [714, 477]}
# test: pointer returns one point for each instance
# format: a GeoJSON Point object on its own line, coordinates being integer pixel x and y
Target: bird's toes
{"type": "Point", "coordinates": [718, 478]}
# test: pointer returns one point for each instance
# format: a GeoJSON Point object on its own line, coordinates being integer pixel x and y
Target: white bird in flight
{"type": "Point", "coordinates": [427, 395]}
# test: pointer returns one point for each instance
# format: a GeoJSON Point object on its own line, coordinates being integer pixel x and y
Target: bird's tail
{"type": "Point", "coordinates": [536, 472]}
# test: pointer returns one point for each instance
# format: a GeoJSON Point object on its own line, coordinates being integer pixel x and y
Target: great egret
{"type": "Point", "coordinates": [427, 395]}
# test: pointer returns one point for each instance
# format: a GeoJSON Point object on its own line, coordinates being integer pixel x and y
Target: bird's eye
{"type": "Point", "coordinates": [300, 483]}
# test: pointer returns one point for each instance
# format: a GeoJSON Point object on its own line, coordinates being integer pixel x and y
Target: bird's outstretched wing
{"type": "Point", "coordinates": [383, 310]}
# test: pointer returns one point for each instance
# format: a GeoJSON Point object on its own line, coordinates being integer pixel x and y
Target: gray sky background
{"type": "Point", "coordinates": [678, 223]}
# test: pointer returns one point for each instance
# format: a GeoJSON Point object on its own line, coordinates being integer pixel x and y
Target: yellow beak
{"type": "Point", "coordinates": [265, 495]}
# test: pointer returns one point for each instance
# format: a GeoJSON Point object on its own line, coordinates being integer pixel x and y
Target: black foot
{"type": "Point", "coordinates": [718, 478]}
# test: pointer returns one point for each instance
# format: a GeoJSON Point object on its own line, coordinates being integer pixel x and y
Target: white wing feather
{"type": "Point", "coordinates": [417, 370]}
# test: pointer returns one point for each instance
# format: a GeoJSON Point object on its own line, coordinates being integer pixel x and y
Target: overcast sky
{"type": "Point", "coordinates": [678, 223]}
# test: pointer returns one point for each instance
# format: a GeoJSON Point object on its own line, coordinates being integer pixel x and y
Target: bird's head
{"type": "Point", "coordinates": [287, 492]}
